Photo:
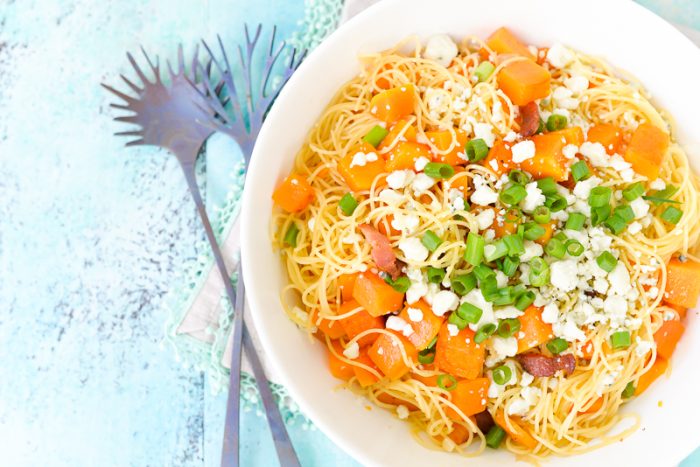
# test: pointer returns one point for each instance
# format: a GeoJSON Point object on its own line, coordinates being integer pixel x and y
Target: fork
{"type": "Point", "coordinates": [178, 118]}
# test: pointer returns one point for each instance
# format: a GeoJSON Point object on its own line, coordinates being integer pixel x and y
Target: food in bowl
{"type": "Point", "coordinates": [497, 242]}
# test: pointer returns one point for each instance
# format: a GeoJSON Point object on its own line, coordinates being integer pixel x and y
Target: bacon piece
{"type": "Point", "coordinates": [484, 421]}
{"type": "Point", "coordinates": [540, 365]}
{"type": "Point", "coordinates": [529, 119]}
{"type": "Point", "coordinates": [382, 253]}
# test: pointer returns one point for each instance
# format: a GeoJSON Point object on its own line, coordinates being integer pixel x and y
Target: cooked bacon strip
{"type": "Point", "coordinates": [529, 119]}
{"type": "Point", "coordinates": [540, 365]}
{"type": "Point", "coordinates": [382, 253]}
{"type": "Point", "coordinates": [484, 421]}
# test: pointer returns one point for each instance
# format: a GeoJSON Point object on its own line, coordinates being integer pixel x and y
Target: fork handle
{"type": "Point", "coordinates": [283, 445]}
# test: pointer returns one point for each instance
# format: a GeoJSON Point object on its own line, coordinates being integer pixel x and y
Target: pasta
{"type": "Point", "coordinates": [494, 241]}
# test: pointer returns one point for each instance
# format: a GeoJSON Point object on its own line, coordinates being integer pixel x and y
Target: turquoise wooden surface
{"type": "Point", "coordinates": [92, 237]}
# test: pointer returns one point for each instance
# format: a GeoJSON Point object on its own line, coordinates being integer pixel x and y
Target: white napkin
{"type": "Point", "coordinates": [206, 307]}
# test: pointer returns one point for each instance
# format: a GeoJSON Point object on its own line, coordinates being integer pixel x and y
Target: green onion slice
{"type": "Point", "coordinates": [348, 204]}
{"type": "Point", "coordinates": [451, 383]}
{"type": "Point", "coordinates": [476, 150]}
{"type": "Point", "coordinates": [290, 237]}
{"type": "Point", "coordinates": [438, 170]}
{"type": "Point", "coordinates": [376, 135]}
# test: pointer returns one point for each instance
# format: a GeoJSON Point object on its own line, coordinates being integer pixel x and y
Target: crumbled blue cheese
{"type": "Point", "coordinates": [563, 98]}
{"type": "Point", "coordinates": [657, 184]}
{"type": "Point", "coordinates": [533, 197]}
{"type": "Point", "coordinates": [640, 208]}
{"type": "Point", "coordinates": [523, 151]}
{"type": "Point", "coordinates": [483, 194]}
{"type": "Point", "coordinates": [643, 347]}
{"type": "Point", "coordinates": [391, 197]}
{"type": "Point", "coordinates": [352, 351]}
{"type": "Point", "coordinates": [415, 314]}
{"type": "Point", "coordinates": [529, 397]}
{"type": "Point", "coordinates": [399, 324]}
{"type": "Point", "coordinates": [485, 132]}
{"type": "Point", "coordinates": [532, 250]}
{"type": "Point", "coordinates": [564, 275]}
{"type": "Point", "coordinates": [452, 329]}
{"type": "Point", "coordinates": [576, 84]}
{"type": "Point", "coordinates": [570, 151]}
{"type": "Point", "coordinates": [420, 163]}
{"type": "Point", "coordinates": [399, 179]}
{"type": "Point", "coordinates": [559, 56]}
{"type": "Point", "coordinates": [413, 249]}
{"type": "Point", "coordinates": [444, 301]}
{"type": "Point", "coordinates": [360, 159]}
{"type": "Point", "coordinates": [405, 222]}
{"type": "Point", "coordinates": [419, 285]}
{"type": "Point", "coordinates": [440, 48]}
{"type": "Point", "coordinates": [422, 183]}
{"type": "Point", "coordinates": [485, 218]}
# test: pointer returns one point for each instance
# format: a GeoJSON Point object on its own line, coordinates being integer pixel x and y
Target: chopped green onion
{"type": "Point", "coordinates": [539, 272]}
{"type": "Point", "coordinates": [513, 194]}
{"type": "Point", "coordinates": [663, 196]}
{"type": "Point", "coordinates": [575, 221]}
{"type": "Point", "coordinates": [555, 202]}
{"type": "Point", "coordinates": [598, 215]}
{"type": "Point", "coordinates": [435, 275]}
{"type": "Point", "coordinates": [463, 284]}
{"type": "Point", "coordinates": [606, 261]}
{"type": "Point", "coordinates": [376, 135]}
{"type": "Point", "coordinates": [438, 170]}
{"type": "Point", "coordinates": [574, 247]}
{"type": "Point", "coordinates": [484, 71]}
{"type": "Point", "coordinates": [625, 212]}
{"type": "Point", "coordinates": [348, 204]}
{"type": "Point", "coordinates": [470, 313]}
{"type": "Point", "coordinates": [290, 238]}
{"type": "Point", "coordinates": [533, 231]}
{"type": "Point", "coordinates": [513, 215]}
{"type": "Point", "coordinates": [508, 327]}
{"type": "Point", "coordinates": [599, 196]}
{"type": "Point", "coordinates": [580, 171]}
{"type": "Point", "coordinates": [616, 224]}
{"type": "Point", "coordinates": [556, 122]}
{"type": "Point", "coordinates": [538, 264]}
{"type": "Point", "coordinates": [556, 248]}
{"type": "Point", "coordinates": [430, 240]}
{"type": "Point", "coordinates": [521, 231]}
{"type": "Point", "coordinates": [629, 390]}
{"type": "Point", "coordinates": [525, 300]}
{"type": "Point", "coordinates": [620, 339]}
{"type": "Point", "coordinates": [484, 332]}
{"type": "Point", "coordinates": [672, 215]}
{"type": "Point", "coordinates": [557, 346]}
{"type": "Point", "coordinates": [547, 186]}
{"type": "Point", "coordinates": [489, 289]}
{"type": "Point", "coordinates": [519, 177]}
{"type": "Point", "coordinates": [509, 266]}
{"type": "Point", "coordinates": [515, 245]}
{"type": "Point", "coordinates": [401, 284]}
{"type": "Point", "coordinates": [475, 249]}
{"type": "Point", "coordinates": [633, 191]}
{"type": "Point", "coordinates": [495, 437]}
{"type": "Point", "coordinates": [502, 374]}
{"type": "Point", "coordinates": [426, 357]}
{"type": "Point", "coordinates": [656, 200]}
{"type": "Point", "coordinates": [560, 236]}
{"type": "Point", "coordinates": [457, 321]}
{"type": "Point", "coordinates": [542, 214]}
{"type": "Point", "coordinates": [502, 296]}
{"type": "Point", "coordinates": [495, 250]}
{"type": "Point", "coordinates": [452, 382]}
{"type": "Point", "coordinates": [483, 272]}
{"type": "Point", "coordinates": [476, 150]}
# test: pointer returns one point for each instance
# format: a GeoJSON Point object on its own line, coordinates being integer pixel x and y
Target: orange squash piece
{"type": "Point", "coordinates": [667, 337]}
{"type": "Point", "coordinates": [375, 295]}
{"type": "Point", "coordinates": [503, 41]}
{"type": "Point", "coordinates": [384, 226]}
{"type": "Point", "coordinates": [409, 134]}
{"type": "Point", "coordinates": [293, 194]}
{"type": "Point", "coordinates": [359, 322]}
{"type": "Point", "coordinates": [346, 284]}
{"type": "Point", "coordinates": [330, 327]}
{"type": "Point", "coordinates": [386, 354]}
{"type": "Point", "coordinates": [394, 104]}
{"type": "Point", "coordinates": [516, 431]}
{"type": "Point", "coordinates": [610, 136]}
{"type": "Point", "coordinates": [459, 434]}
{"type": "Point", "coordinates": [502, 228]}
{"type": "Point", "coordinates": [393, 400]}
{"type": "Point", "coordinates": [523, 81]}
{"type": "Point", "coordinates": [443, 140]}
{"type": "Point", "coordinates": [647, 149]}
{"type": "Point", "coordinates": [364, 377]}
{"type": "Point", "coordinates": [572, 135]}
{"type": "Point", "coordinates": [681, 310]}
{"type": "Point", "coordinates": [460, 182]}
{"type": "Point", "coordinates": [424, 330]}
{"type": "Point", "coordinates": [360, 177]}
{"type": "Point", "coordinates": [657, 369]}
{"type": "Point", "coordinates": [470, 397]}
{"type": "Point", "coordinates": [501, 154]}
{"type": "Point", "coordinates": [533, 331]}
{"type": "Point", "coordinates": [682, 283]}
{"type": "Point", "coordinates": [456, 356]}
{"type": "Point", "coordinates": [405, 154]}
{"type": "Point", "coordinates": [595, 406]}
{"type": "Point", "coordinates": [548, 232]}
{"type": "Point", "coordinates": [339, 368]}
{"type": "Point", "coordinates": [549, 160]}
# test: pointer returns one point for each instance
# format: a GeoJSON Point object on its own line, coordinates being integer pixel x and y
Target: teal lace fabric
{"type": "Point", "coordinates": [320, 19]}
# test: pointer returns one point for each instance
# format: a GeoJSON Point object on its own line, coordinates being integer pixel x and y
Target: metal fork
{"type": "Point", "coordinates": [177, 117]}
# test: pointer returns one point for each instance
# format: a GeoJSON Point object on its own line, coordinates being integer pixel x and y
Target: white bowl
{"type": "Point", "coordinates": [624, 33]}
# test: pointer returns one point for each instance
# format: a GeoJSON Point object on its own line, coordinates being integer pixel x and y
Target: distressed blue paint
{"type": "Point", "coordinates": [92, 236]}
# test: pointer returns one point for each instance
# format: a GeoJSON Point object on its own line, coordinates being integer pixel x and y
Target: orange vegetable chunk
{"type": "Point", "coordinates": [443, 140]}
{"type": "Point", "coordinates": [456, 356]}
{"type": "Point", "coordinates": [424, 330]}
{"type": "Point", "coordinates": [646, 150]}
{"type": "Point", "coordinates": [533, 331]}
{"type": "Point", "coordinates": [516, 431]}
{"type": "Point", "coordinates": [329, 327]}
{"type": "Point", "coordinates": [501, 154]}
{"type": "Point", "coordinates": [409, 134]}
{"type": "Point", "coordinates": [394, 104]}
{"type": "Point", "coordinates": [359, 322]}
{"type": "Point", "coordinates": [549, 160]}
{"type": "Point", "coordinates": [470, 397]}
{"type": "Point", "coordinates": [346, 284]}
{"type": "Point", "coordinates": [682, 283]}
{"type": "Point", "coordinates": [610, 136]}
{"type": "Point", "coordinates": [404, 155]}
{"type": "Point", "coordinates": [523, 81]}
{"type": "Point", "coordinates": [375, 295]}
{"type": "Point", "coordinates": [548, 232]}
{"type": "Point", "coordinates": [503, 41]}
{"type": "Point", "coordinates": [596, 406]}
{"type": "Point", "coordinates": [667, 337]}
{"type": "Point", "coordinates": [293, 194]}
{"type": "Point", "coordinates": [339, 368]}
{"type": "Point", "coordinates": [386, 354]}
{"type": "Point", "coordinates": [360, 177]}
{"type": "Point", "coordinates": [459, 434]}
{"type": "Point", "coordinates": [572, 135]}
{"type": "Point", "coordinates": [657, 369]}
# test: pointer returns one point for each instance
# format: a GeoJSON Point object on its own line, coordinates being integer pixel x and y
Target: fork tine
{"type": "Point", "coordinates": [129, 133]}
{"type": "Point", "coordinates": [195, 63]}
{"type": "Point", "coordinates": [125, 97]}
{"type": "Point", "coordinates": [136, 142]}
{"type": "Point", "coordinates": [155, 68]}
{"type": "Point", "coordinates": [120, 106]}
{"type": "Point", "coordinates": [131, 84]}
{"type": "Point", "coordinates": [137, 68]}
{"type": "Point", "coordinates": [127, 119]}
